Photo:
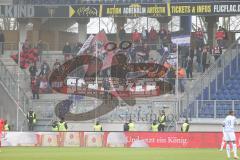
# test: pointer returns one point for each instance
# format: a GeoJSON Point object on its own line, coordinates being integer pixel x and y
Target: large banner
{"type": "Point", "coordinates": [167, 9]}
{"type": "Point", "coordinates": [135, 10]}
{"type": "Point", "coordinates": [85, 11]}
{"type": "Point", "coordinates": [115, 139]}
{"type": "Point", "coordinates": [207, 9]}
{"type": "Point", "coordinates": [120, 10]}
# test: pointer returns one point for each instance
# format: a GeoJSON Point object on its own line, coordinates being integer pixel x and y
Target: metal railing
{"type": "Point", "coordinates": [16, 92]}
{"type": "Point", "coordinates": [213, 108]}
{"type": "Point", "coordinates": [214, 78]}
{"type": "Point", "coordinates": [10, 83]}
{"type": "Point", "coordinates": [145, 111]}
{"type": "Point", "coordinates": [23, 75]}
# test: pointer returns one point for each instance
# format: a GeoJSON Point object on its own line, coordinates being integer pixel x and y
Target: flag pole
{"type": "Point", "coordinates": [18, 83]}
{"type": "Point", "coordinates": [96, 78]}
{"type": "Point", "coordinates": [177, 79]}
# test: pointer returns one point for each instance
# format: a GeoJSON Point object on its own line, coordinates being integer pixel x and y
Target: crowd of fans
{"type": "Point", "coordinates": [145, 41]}
{"type": "Point", "coordinates": [192, 58]}
{"type": "Point", "coordinates": [206, 54]}
{"type": "Point", "coordinates": [200, 55]}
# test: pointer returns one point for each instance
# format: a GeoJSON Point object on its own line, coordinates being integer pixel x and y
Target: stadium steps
{"type": "Point", "coordinates": [13, 68]}
{"type": "Point", "coordinates": [226, 92]}
{"type": "Point", "coordinates": [43, 125]}
{"type": "Point", "coordinates": [57, 24]}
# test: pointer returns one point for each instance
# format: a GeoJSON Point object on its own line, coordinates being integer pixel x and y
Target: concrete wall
{"type": "Point", "coordinates": [203, 125]}
{"type": "Point", "coordinates": [64, 37]}
{"type": "Point", "coordinates": [205, 128]}
{"type": "Point", "coordinates": [143, 127]}
{"type": "Point", "coordinates": [48, 37]}
{"type": "Point", "coordinates": [106, 127]}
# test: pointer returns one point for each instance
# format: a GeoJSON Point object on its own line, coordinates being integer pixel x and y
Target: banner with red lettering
{"type": "Point", "coordinates": [115, 139]}
{"type": "Point", "coordinates": [174, 140]}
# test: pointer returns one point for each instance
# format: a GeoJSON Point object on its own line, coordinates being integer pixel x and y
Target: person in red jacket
{"type": "Point", "coordinates": [1, 129]}
{"type": "Point", "coordinates": [153, 36]}
{"type": "Point", "coordinates": [35, 85]}
{"type": "Point", "coordinates": [136, 36]}
{"type": "Point", "coordinates": [219, 36]}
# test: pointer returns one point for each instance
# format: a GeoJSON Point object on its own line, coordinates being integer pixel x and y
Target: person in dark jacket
{"type": "Point", "coordinates": [33, 70]}
{"type": "Point", "coordinates": [144, 35]}
{"type": "Point", "coordinates": [145, 52]}
{"type": "Point", "coordinates": [77, 48]}
{"type": "Point", "coordinates": [199, 59]}
{"type": "Point", "coordinates": [171, 75]}
{"type": "Point", "coordinates": [122, 34]}
{"type": "Point", "coordinates": [162, 35]}
{"type": "Point", "coordinates": [26, 46]}
{"type": "Point", "coordinates": [125, 127]}
{"type": "Point", "coordinates": [205, 57]}
{"type": "Point", "coordinates": [67, 51]}
{"type": "Point", "coordinates": [35, 84]}
{"type": "Point", "coordinates": [106, 86]}
{"type": "Point", "coordinates": [189, 67]}
{"type": "Point", "coordinates": [56, 65]}
{"type": "Point", "coordinates": [184, 52]}
{"type": "Point", "coordinates": [40, 47]}
{"type": "Point", "coordinates": [45, 69]}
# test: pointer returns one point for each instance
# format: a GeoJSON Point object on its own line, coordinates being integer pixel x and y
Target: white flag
{"type": "Point", "coordinates": [86, 44]}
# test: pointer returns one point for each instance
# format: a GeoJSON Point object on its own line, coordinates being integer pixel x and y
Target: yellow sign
{"type": "Point", "coordinates": [71, 11]}
{"type": "Point", "coordinates": [135, 10]}
{"type": "Point", "coordinates": [190, 9]}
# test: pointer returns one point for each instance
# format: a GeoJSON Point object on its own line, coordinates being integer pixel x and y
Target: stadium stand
{"type": "Point", "coordinates": [220, 89]}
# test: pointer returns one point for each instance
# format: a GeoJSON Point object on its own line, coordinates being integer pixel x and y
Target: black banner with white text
{"type": "Point", "coordinates": [120, 10]}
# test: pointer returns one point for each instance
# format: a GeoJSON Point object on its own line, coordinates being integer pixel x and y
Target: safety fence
{"type": "Point", "coordinates": [144, 111]}
{"type": "Point", "coordinates": [10, 81]}
{"type": "Point", "coordinates": [212, 108]}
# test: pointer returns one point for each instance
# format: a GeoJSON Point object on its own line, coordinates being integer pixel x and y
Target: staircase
{"type": "Point", "coordinates": [16, 102]}
{"type": "Point", "coordinates": [9, 79]}
{"type": "Point", "coordinates": [212, 95]}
